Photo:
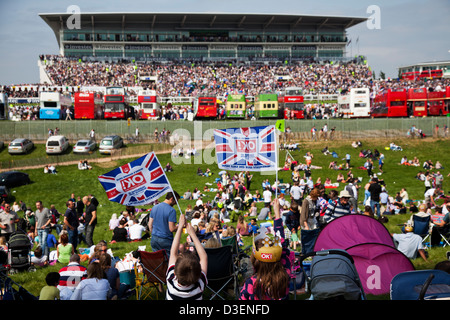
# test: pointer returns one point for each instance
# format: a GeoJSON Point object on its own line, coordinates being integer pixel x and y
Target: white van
{"type": "Point", "coordinates": [56, 144]}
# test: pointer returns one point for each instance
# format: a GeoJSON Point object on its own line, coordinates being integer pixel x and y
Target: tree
{"type": "Point", "coordinates": [382, 75]}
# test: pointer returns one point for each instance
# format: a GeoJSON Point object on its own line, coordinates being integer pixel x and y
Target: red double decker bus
{"type": "Point", "coordinates": [412, 75]}
{"type": "Point", "coordinates": [391, 103]}
{"type": "Point", "coordinates": [436, 103]}
{"type": "Point", "coordinates": [116, 103]}
{"type": "Point", "coordinates": [205, 107]}
{"type": "Point", "coordinates": [431, 74]}
{"type": "Point", "coordinates": [149, 108]}
{"type": "Point", "coordinates": [293, 103]}
{"type": "Point", "coordinates": [88, 105]}
{"type": "Point", "coordinates": [417, 101]}
{"type": "Point", "coordinates": [447, 99]}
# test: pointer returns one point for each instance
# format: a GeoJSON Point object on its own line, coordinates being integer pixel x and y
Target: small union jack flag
{"type": "Point", "coordinates": [137, 183]}
{"type": "Point", "coordinates": [250, 149]}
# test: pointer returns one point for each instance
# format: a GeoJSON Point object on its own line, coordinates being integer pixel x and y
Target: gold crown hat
{"type": "Point", "coordinates": [271, 249]}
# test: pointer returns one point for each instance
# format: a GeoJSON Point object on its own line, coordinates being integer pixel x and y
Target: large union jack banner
{"type": "Point", "coordinates": [250, 149]}
{"type": "Point", "coordinates": [137, 183]}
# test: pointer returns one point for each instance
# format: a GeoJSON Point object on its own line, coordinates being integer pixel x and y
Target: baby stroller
{"type": "Point", "coordinates": [421, 285]}
{"type": "Point", "coordinates": [19, 248]}
{"type": "Point", "coordinates": [332, 276]}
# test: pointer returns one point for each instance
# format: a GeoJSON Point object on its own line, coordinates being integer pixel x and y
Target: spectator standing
{"type": "Point", "coordinates": [90, 220]}
{"type": "Point", "coordinates": [296, 193]}
{"type": "Point", "coordinates": [163, 222]}
{"type": "Point", "coordinates": [92, 134]}
{"type": "Point", "coordinates": [8, 220]}
{"type": "Point", "coordinates": [43, 224]}
{"type": "Point", "coordinates": [71, 223]}
{"type": "Point", "coordinates": [375, 190]}
{"type": "Point", "coordinates": [340, 208]}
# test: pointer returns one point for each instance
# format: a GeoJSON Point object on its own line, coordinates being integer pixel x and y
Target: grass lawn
{"type": "Point", "coordinates": [57, 189]}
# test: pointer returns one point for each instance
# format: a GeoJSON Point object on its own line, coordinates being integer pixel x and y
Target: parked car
{"type": "Point", "coordinates": [20, 145]}
{"type": "Point", "coordinates": [4, 193]}
{"type": "Point", "coordinates": [109, 143]}
{"type": "Point", "coordinates": [56, 144]}
{"type": "Point", "coordinates": [14, 178]}
{"type": "Point", "coordinates": [84, 146]}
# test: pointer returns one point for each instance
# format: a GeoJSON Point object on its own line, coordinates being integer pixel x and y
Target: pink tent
{"type": "Point", "coordinates": [370, 244]}
{"type": "Point", "coordinates": [377, 264]}
{"type": "Point", "coordinates": [350, 230]}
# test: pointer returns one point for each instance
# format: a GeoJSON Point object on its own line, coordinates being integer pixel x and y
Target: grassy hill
{"type": "Point", "coordinates": [57, 189]}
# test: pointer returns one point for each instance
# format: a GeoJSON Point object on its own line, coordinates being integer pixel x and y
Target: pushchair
{"type": "Point", "coordinates": [332, 276]}
{"type": "Point", "coordinates": [421, 285]}
{"type": "Point", "coordinates": [19, 248]}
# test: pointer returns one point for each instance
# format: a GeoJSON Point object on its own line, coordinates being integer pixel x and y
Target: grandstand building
{"type": "Point", "coordinates": [423, 66]}
{"type": "Point", "coordinates": [202, 36]}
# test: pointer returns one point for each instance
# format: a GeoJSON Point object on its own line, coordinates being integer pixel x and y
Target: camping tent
{"type": "Point", "coordinates": [377, 264]}
{"type": "Point", "coordinates": [350, 230]}
{"type": "Point", "coordinates": [370, 244]}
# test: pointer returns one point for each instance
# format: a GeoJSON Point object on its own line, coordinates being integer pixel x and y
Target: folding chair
{"type": "Point", "coordinates": [10, 290]}
{"type": "Point", "coordinates": [308, 240]}
{"type": "Point", "coordinates": [154, 266]}
{"type": "Point", "coordinates": [238, 253]}
{"type": "Point", "coordinates": [222, 272]}
{"type": "Point", "coordinates": [231, 241]}
{"type": "Point", "coordinates": [421, 227]}
{"type": "Point", "coordinates": [440, 235]}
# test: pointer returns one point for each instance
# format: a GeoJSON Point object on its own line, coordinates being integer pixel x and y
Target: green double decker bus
{"type": "Point", "coordinates": [236, 106]}
{"type": "Point", "coordinates": [267, 106]}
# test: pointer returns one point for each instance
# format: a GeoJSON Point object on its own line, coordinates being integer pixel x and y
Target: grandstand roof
{"type": "Point", "coordinates": [200, 21]}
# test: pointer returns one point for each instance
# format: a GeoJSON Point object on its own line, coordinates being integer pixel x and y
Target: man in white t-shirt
{"type": "Point", "coordinates": [430, 196]}
{"type": "Point", "coordinates": [136, 230]}
{"type": "Point", "coordinates": [296, 192]}
{"type": "Point", "coordinates": [267, 195]}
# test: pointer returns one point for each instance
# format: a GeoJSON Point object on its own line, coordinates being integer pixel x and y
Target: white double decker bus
{"type": "Point", "coordinates": [355, 104]}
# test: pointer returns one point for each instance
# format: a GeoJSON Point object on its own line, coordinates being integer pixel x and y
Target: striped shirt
{"type": "Point", "coordinates": [71, 275]}
{"type": "Point", "coordinates": [176, 291]}
{"type": "Point", "coordinates": [336, 210]}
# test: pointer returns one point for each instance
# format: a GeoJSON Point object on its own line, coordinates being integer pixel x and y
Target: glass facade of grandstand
{"type": "Point", "coordinates": [275, 38]}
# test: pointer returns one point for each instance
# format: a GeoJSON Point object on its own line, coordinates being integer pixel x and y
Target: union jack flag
{"type": "Point", "coordinates": [250, 149]}
{"type": "Point", "coordinates": [137, 183]}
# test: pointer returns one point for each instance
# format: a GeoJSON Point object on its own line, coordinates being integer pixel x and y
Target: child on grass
{"type": "Point", "coordinates": [186, 274]}
{"type": "Point", "coordinates": [50, 291]}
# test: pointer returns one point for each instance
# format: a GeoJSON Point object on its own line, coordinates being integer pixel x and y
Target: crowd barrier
{"type": "Point", "coordinates": [203, 130]}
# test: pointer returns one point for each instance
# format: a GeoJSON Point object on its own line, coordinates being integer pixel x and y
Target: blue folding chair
{"type": "Point", "coordinates": [420, 285]}
{"type": "Point", "coordinates": [422, 228]}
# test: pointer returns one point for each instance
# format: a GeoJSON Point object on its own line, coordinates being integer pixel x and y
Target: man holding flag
{"type": "Point", "coordinates": [163, 222]}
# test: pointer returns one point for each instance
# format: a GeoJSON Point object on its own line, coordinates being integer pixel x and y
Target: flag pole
{"type": "Point", "coordinates": [276, 163]}
{"type": "Point", "coordinates": [176, 200]}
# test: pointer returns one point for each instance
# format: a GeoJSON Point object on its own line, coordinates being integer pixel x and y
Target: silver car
{"type": "Point", "coordinates": [20, 146]}
{"type": "Point", "coordinates": [109, 143]}
{"type": "Point", "coordinates": [84, 146]}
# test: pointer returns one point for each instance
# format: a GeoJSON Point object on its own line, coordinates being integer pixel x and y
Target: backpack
{"type": "Point", "coordinates": [312, 208]}
{"type": "Point", "coordinates": [350, 190]}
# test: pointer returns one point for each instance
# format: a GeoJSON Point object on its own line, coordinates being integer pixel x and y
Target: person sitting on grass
{"type": "Point", "coordinates": [120, 233]}
{"type": "Point", "coordinates": [50, 291]}
{"type": "Point", "coordinates": [409, 243]}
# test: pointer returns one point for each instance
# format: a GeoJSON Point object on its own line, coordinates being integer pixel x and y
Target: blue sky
{"type": "Point", "coordinates": [411, 31]}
